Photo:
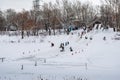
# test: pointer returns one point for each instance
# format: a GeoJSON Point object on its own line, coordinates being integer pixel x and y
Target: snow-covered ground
{"type": "Point", "coordinates": [95, 59]}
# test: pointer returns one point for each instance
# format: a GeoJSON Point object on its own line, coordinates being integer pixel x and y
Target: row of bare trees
{"type": "Point", "coordinates": [60, 15]}
{"type": "Point", "coordinates": [110, 13]}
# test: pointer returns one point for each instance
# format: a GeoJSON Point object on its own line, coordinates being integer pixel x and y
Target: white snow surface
{"type": "Point", "coordinates": [95, 59]}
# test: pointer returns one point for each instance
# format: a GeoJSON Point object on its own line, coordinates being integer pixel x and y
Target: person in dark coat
{"type": "Point", "coordinates": [90, 38]}
{"type": "Point", "coordinates": [68, 43]}
{"type": "Point", "coordinates": [71, 49]}
{"type": "Point", "coordinates": [62, 47]}
{"type": "Point", "coordinates": [52, 44]}
{"type": "Point", "coordinates": [86, 37]}
{"type": "Point", "coordinates": [104, 38]}
{"type": "Point", "coordinates": [62, 44]}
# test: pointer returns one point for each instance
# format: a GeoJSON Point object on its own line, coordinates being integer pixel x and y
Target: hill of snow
{"type": "Point", "coordinates": [33, 58]}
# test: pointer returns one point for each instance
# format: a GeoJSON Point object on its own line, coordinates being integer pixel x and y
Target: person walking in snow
{"type": "Point", "coordinates": [62, 47]}
{"type": "Point", "coordinates": [86, 37]}
{"type": "Point", "coordinates": [90, 38]}
{"type": "Point", "coordinates": [82, 33]}
{"type": "Point", "coordinates": [66, 43]}
{"type": "Point", "coordinates": [62, 44]}
{"type": "Point", "coordinates": [52, 44]}
{"type": "Point", "coordinates": [71, 49]}
{"type": "Point", "coordinates": [104, 38]}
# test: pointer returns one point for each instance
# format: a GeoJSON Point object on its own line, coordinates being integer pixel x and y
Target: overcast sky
{"type": "Point", "coordinates": [18, 5]}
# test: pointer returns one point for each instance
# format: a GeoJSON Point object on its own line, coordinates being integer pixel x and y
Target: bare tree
{"type": "Point", "coordinates": [111, 10]}
{"type": "Point", "coordinates": [2, 21]}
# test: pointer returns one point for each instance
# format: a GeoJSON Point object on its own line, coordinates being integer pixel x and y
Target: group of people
{"type": "Point", "coordinates": [62, 46]}
{"type": "Point", "coordinates": [89, 38]}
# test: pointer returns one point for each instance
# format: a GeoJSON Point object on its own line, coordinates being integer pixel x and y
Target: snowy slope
{"type": "Point", "coordinates": [95, 59]}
